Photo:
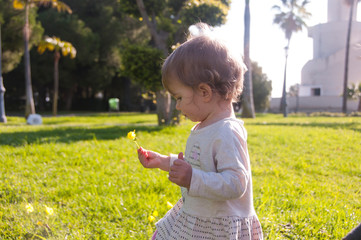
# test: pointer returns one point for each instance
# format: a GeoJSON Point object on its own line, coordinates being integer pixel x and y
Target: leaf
{"type": "Point", "coordinates": [41, 49]}
{"type": "Point", "coordinates": [18, 5]}
{"type": "Point", "coordinates": [52, 43]}
{"type": "Point", "coordinates": [60, 6]}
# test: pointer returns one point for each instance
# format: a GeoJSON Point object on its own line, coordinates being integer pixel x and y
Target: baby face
{"type": "Point", "coordinates": [186, 98]}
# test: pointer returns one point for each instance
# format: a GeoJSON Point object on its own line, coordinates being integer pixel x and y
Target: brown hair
{"type": "Point", "coordinates": [204, 59]}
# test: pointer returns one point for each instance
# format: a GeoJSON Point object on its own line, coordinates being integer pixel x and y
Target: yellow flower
{"type": "Point", "coordinates": [29, 208]}
{"type": "Point", "coordinates": [131, 135]}
{"type": "Point", "coordinates": [49, 210]}
{"type": "Point", "coordinates": [169, 205]}
{"type": "Point", "coordinates": [39, 223]}
{"type": "Point", "coordinates": [140, 19]}
{"type": "Point", "coordinates": [155, 213]}
{"type": "Point", "coordinates": [151, 218]}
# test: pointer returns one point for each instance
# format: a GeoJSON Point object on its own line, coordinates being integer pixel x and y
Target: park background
{"type": "Point", "coordinates": [102, 68]}
{"type": "Point", "coordinates": [76, 176]}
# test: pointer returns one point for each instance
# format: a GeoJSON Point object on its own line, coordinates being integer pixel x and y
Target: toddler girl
{"type": "Point", "coordinates": [215, 173]}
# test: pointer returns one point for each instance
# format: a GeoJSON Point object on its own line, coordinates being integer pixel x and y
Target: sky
{"type": "Point", "coordinates": [268, 40]}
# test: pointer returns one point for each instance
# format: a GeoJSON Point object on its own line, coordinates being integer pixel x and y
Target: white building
{"type": "Point", "coordinates": [321, 87]}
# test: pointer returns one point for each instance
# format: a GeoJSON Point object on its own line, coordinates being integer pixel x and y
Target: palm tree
{"type": "Point", "coordinates": [352, 4]}
{"type": "Point", "coordinates": [247, 104]}
{"type": "Point", "coordinates": [26, 5]}
{"type": "Point", "coordinates": [56, 45]}
{"type": "Point", "coordinates": [290, 20]}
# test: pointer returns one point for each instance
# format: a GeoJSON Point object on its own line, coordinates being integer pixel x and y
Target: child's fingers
{"type": "Point", "coordinates": [179, 162]}
{"type": "Point", "coordinates": [174, 167]}
{"type": "Point", "coordinates": [173, 174]}
{"type": "Point", "coordinates": [172, 179]}
{"type": "Point", "coordinates": [180, 177]}
{"type": "Point", "coordinates": [142, 151]}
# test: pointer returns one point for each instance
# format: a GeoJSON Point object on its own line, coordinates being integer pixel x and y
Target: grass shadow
{"type": "Point", "coordinates": [353, 126]}
{"type": "Point", "coordinates": [71, 134]}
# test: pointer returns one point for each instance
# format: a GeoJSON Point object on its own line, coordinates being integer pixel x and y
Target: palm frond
{"type": "Point", "coordinates": [18, 4]}
{"type": "Point", "coordinates": [55, 43]}
{"type": "Point", "coordinates": [291, 17]}
{"type": "Point", "coordinates": [59, 5]}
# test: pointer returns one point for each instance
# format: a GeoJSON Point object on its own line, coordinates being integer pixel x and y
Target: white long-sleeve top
{"type": "Point", "coordinates": [221, 184]}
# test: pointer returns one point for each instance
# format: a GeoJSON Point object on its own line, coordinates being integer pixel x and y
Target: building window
{"type": "Point", "coordinates": [315, 91]}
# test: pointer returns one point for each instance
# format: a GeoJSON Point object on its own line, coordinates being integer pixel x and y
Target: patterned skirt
{"type": "Point", "coordinates": [176, 225]}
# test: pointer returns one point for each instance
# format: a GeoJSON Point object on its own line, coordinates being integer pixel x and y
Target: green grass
{"type": "Point", "coordinates": [306, 176]}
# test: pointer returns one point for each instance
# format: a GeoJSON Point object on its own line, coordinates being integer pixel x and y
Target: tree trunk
{"type": "Point", "coordinates": [69, 98]}
{"type": "Point", "coordinates": [284, 108]}
{"type": "Point", "coordinates": [160, 41]}
{"type": "Point", "coordinates": [164, 112]}
{"type": "Point", "coordinates": [345, 79]}
{"type": "Point", "coordinates": [56, 82]}
{"type": "Point", "coordinates": [167, 114]}
{"type": "Point", "coordinates": [30, 106]}
{"type": "Point", "coordinates": [248, 104]}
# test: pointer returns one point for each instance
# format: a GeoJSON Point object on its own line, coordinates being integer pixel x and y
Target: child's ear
{"type": "Point", "coordinates": [205, 91]}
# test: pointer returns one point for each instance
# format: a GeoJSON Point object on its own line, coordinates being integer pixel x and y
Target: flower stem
{"type": "Point", "coordinates": [137, 144]}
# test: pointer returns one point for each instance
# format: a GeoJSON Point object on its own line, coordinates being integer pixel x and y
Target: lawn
{"type": "Point", "coordinates": [78, 177]}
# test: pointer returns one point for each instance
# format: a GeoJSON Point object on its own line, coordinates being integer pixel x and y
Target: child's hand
{"type": "Point", "coordinates": [150, 159]}
{"type": "Point", "coordinates": [180, 172]}
{"type": "Point", "coordinates": [143, 152]}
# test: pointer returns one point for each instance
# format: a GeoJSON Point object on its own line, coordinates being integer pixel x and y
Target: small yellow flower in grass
{"type": "Point", "coordinates": [49, 210]}
{"type": "Point", "coordinates": [39, 223]}
{"type": "Point", "coordinates": [29, 208]}
{"type": "Point", "coordinates": [132, 136]}
{"type": "Point", "coordinates": [151, 218]}
{"type": "Point", "coordinates": [169, 205]}
{"type": "Point", "coordinates": [155, 213]}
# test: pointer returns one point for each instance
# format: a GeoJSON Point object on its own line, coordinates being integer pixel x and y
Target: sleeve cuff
{"type": "Point", "coordinates": [173, 157]}
{"type": "Point", "coordinates": [194, 188]}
